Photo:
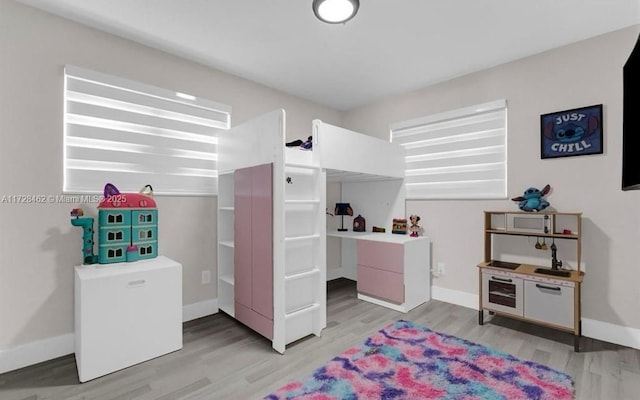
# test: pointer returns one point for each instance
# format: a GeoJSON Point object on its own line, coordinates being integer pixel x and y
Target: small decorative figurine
{"type": "Point", "coordinates": [359, 224]}
{"type": "Point", "coordinates": [147, 190]}
{"type": "Point", "coordinates": [87, 235]}
{"type": "Point", "coordinates": [532, 199]}
{"type": "Point", "coordinates": [399, 226]}
{"type": "Point", "coordinates": [415, 229]}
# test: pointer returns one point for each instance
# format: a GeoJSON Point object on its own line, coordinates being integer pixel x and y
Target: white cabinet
{"type": "Point", "coordinates": [392, 270]}
{"type": "Point", "coordinates": [539, 299]}
{"type": "Point", "coordinates": [549, 302]}
{"type": "Point", "coordinates": [126, 313]}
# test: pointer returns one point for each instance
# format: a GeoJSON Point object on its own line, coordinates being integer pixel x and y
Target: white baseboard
{"type": "Point", "coordinates": [50, 348]}
{"type": "Point", "coordinates": [36, 352]}
{"type": "Point", "coordinates": [199, 310]}
{"type": "Point", "coordinates": [381, 303]}
{"type": "Point", "coordinates": [456, 297]}
{"type": "Point", "coordinates": [611, 333]}
{"type": "Point", "coordinates": [605, 331]}
{"type": "Point", "coordinates": [335, 273]}
{"type": "Point", "coordinates": [47, 349]}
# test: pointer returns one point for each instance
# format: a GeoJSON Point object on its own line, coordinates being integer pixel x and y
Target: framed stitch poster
{"type": "Point", "coordinates": [574, 132]}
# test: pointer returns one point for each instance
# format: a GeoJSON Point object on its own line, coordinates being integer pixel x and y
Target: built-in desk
{"type": "Point", "coordinates": [391, 270]}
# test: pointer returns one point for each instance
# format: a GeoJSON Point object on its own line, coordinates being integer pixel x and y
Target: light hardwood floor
{"type": "Point", "coordinates": [222, 359]}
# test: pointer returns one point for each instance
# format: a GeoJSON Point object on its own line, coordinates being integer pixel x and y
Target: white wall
{"type": "Point", "coordinates": [38, 245]}
{"type": "Point", "coordinates": [582, 74]}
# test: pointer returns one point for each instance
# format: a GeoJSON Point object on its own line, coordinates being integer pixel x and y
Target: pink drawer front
{"type": "Point", "coordinates": [380, 283]}
{"type": "Point", "coordinates": [387, 256]}
{"type": "Point", "coordinates": [254, 320]}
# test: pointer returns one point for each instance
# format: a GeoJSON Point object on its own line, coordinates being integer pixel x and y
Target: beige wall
{"type": "Point", "coordinates": [38, 245]}
{"type": "Point", "coordinates": [582, 74]}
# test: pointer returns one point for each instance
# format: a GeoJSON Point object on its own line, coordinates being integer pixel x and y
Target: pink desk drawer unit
{"type": "Point", "coordinates": [393, 270]}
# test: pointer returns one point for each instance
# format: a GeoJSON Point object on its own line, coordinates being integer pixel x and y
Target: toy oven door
{"type": "Point", "coordinates": [502, 293]}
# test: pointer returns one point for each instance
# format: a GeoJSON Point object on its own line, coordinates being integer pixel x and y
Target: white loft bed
{"type": "Point", "coordinates": [349, 156]}
{"type": "Point", "coordinates": [370, 170]}
{"type": "Point", "coordinates": [299, 224]}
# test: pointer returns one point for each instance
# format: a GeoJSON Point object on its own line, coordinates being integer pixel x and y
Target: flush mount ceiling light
{"type": "Point", "coordinates": [335, 11]}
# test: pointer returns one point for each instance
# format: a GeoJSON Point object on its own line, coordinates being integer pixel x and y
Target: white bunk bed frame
{"type": "Point", "coordinates": [299, 204]}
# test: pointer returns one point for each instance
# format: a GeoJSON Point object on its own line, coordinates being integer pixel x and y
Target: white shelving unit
{"type": "Point", "coordinates": [225, 242]}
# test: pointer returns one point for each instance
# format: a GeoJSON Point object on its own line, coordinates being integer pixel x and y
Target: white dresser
{"type": "Point", "coordinates": [126, 313]}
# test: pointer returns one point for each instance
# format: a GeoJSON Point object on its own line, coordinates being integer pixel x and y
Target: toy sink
{"type": "Point", "coordinates": [554, 272]}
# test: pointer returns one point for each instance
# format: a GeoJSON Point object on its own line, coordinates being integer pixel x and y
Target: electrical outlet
{"type": "Point", "coordinates": [440, 268]}
{"type": "Point", "coordinates": [206, 277]}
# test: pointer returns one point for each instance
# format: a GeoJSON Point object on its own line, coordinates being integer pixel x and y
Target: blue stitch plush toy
{"type": "Point", "coordinates": [532, 199]}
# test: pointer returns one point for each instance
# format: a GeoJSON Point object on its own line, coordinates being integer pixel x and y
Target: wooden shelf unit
{"type": "Point", "coordinates": [576, 234]}
{"type": "Point", "coordinates": [521, 292]}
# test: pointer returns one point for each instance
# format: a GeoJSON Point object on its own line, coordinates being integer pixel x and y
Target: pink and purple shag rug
{"type": "Point", "coordinates": [408, 361]}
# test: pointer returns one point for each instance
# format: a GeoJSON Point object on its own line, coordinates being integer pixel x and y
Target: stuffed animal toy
{"type": "Point", "coordinates": [415, 229]}
{"type": "Point", "coordinates": [532, 199]}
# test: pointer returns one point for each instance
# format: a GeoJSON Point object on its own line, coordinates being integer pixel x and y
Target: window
{"type": "Point", "coordinates": [114, 218]}
{"type": "Point", "coordinates": [461, 154]}
{"type": "Point", "coordinates": [114, 253]}
{"type": "Point", "coordinates": [132, 134]}
{"type": "Point", "coordinates": [111, 236]}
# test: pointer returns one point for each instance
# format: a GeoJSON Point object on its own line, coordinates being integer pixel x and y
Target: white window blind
{"type": "Point", "coordinates": [132, 134]}
{"type": "Point", "coordinates": [460, 154]}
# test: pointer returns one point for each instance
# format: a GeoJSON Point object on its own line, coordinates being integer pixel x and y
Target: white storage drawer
{"type": "Point", "coordinates": [126, 313]}
{"type": "Point", "coordinates": [549, 303]}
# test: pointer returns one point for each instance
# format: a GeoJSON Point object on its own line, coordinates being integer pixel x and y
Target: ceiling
{"type": "Point", "coordinates": [390, 47]}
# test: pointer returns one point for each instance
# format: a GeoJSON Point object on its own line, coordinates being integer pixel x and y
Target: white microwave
{"type": "Point", "coordinates": [531, 223]}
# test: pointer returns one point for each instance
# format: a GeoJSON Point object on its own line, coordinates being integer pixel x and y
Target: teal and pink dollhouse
{"type": "Point", "coordinates": [127, 227]}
